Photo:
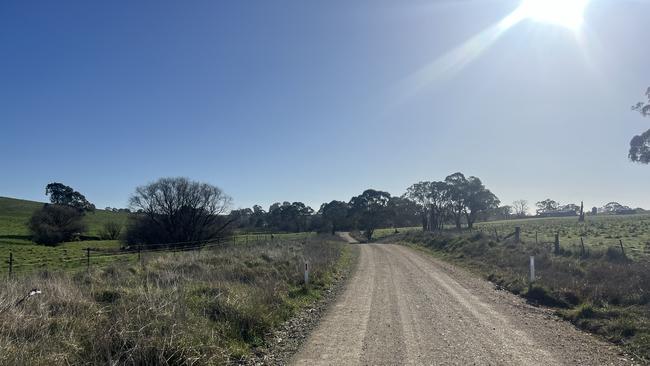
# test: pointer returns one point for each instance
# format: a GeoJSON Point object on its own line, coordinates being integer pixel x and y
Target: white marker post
{"type": "Point", "coordinates": [532, 268]}
{"type": "Point", "coordinates": [306, 274]}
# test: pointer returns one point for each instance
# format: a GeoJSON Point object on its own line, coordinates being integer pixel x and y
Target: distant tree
{"type": "Point", "coordinates": [335, 215]}
{"type": "Point", "coordinates": [258, 219]}
{"type": "Point", "coordinates": [403, 212]}
{"type": "Point", "coordinates": [546, 205]}
{"type": "Point", "coordinates": [640, 144]}
{"type": "Point", "coordinates": [274, 206]}
{"type": "Point", "coordinates": [476, 199]}
{"type": "Point", "coordinates": [242, 217]}
{"type": "Point", "coordinates": [440, 194]}
{"type": "Point", "coordinates": [60, 194]}
{"type": "Point", "coordinates": [498, 213]}
{"type": "Point", "coordinates": [570, 207]}
{"type": "Point", "coordinates": [178, 210]}
{"type": "Point", "coordinates": [291, 217]}
{"type": "Point", "coordinates": [54, 224]}
{"type": "Point", "coordinates": [520, 208]}
{"type": "Point", "coordinates": [369, 211]}
{"type": "Point", "coordinates": [614, 207]}
{"type": "Point", "coordinates": [419, 194]}
{"type": "Point", "coordinates": [457, 188]}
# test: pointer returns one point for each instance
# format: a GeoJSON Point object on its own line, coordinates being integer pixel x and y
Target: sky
{"type": "Point", "coordinates": [314, 101]}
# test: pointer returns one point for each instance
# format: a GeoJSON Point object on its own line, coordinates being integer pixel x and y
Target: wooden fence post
{"type": "Point", "coordinates": [517, 234]}
{"type": "Point", "coordinates": [11, 264]}
{"type": "Point", "coordinates": [582, 249]}
{"type": "Point", "coordinates": [536, 237]}
{"type": "Point", "coordinates": [622, 248]}
{"type": "Point", "coordinates": [557, 243]}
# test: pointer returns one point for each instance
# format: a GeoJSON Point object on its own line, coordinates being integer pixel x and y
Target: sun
{"type": "Point", "coordinates": [565, 13]}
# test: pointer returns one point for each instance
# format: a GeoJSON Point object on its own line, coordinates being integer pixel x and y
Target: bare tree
{"type": "Point", "coordinates": [520, 207]}
{"type": "Point", "coordinates": [178, 210]}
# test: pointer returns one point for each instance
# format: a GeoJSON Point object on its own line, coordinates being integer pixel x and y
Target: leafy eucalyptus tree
{"type": "Point", "coordinates": [335, 215]}
{"type": "Point", "coordinates": [370, 211]}
{"type": "Point", "coordinates": [640, 144]}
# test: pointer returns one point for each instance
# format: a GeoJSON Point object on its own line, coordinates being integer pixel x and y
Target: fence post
{"type": "Point", "coordinates": [536, 237]}
{"type": "Point", "coordinates": [88, 259]}
{"type": "Point", "coordinates": [11, 264]}
{"type": "Point", "coordinates": [557, 243]}
{"type": "Point", "coordinates": [532, 268]}
{"type": "Point", "coordinates": [306, 274]}
{"type": "Point", "coordinates": [582, 249]}
{"type": "Point", "coordinates": [517, 233]}
{"type": "Point", "coordinates": [622, 249]}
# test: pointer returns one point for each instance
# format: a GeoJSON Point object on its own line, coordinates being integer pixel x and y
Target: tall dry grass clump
{"type": "Point", "coordinates": [199, 308]}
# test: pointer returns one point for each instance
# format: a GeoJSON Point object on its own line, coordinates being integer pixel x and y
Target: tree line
{"type": "Point", "coordinates": [457, 200]}
{"type": "Point", "coordinates": [178, 210]}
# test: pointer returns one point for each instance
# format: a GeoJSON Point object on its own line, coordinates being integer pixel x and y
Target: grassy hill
{"type": "Point", "coordinates": [15, 213]}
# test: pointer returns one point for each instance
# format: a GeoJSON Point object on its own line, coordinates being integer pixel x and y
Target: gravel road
{"type": "Point", "coordinates": [403, 307]}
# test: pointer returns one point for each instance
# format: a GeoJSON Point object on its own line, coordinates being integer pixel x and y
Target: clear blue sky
{"type": "Point", "coordinates": [313, 101]}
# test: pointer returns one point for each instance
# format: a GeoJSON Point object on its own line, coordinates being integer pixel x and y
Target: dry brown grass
{"type": "Point", "coordinates": [181, 309]}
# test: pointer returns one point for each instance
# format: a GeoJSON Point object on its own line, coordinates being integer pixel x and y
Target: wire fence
{"type": "Point", "coordinates": [576, 242]}
{"type": "Point", "coordinates": [87, 257]}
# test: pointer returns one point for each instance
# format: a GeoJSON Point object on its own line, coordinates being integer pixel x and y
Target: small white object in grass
{"type": "Point", "coordinates": [34, 292]}
{"type": "Point", "coordinates": [31, 293]}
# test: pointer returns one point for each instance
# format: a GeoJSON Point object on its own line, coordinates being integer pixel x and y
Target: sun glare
{"type": "Point", "coordinates": [565, 13]}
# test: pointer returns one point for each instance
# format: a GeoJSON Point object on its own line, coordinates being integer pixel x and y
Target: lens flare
{"type": "Point", "coordinates": [565, 13]}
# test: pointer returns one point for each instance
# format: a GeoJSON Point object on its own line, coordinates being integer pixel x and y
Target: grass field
{"type": "Point", "coordinates": [28, 256]}
{"type": "Point", "coordinates": [197, 308]}
{"type": "Point", "coordinates": [381, 233]}
{"type": "Point", "coordinates": [15, 214]}
{"type": "Point", "coordinates": [598, 232]}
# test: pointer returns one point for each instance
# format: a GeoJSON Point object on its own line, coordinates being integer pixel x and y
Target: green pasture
{"type": "Point", "coordinates": [601, 231]}
{"type": "Point", "coordinates": [15, 214]}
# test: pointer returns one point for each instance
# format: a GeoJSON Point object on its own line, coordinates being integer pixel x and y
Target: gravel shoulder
{"type": "Point", "coordinates": [404, 307]}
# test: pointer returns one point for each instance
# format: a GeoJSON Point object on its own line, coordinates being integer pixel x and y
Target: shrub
{"type": "Point", "coordinates": [111, 231]}
{"type": "Point", "coordinates": [542, 296]}
{"type": "Point", "coordinates": [54, 224]}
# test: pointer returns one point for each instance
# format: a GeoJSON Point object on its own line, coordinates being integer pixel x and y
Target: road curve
{"type": "Point", "coordinates": [403, 307]}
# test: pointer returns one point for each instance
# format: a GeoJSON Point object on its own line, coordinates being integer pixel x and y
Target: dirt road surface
{"type": "Point", "coordinates": [404, 307]}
